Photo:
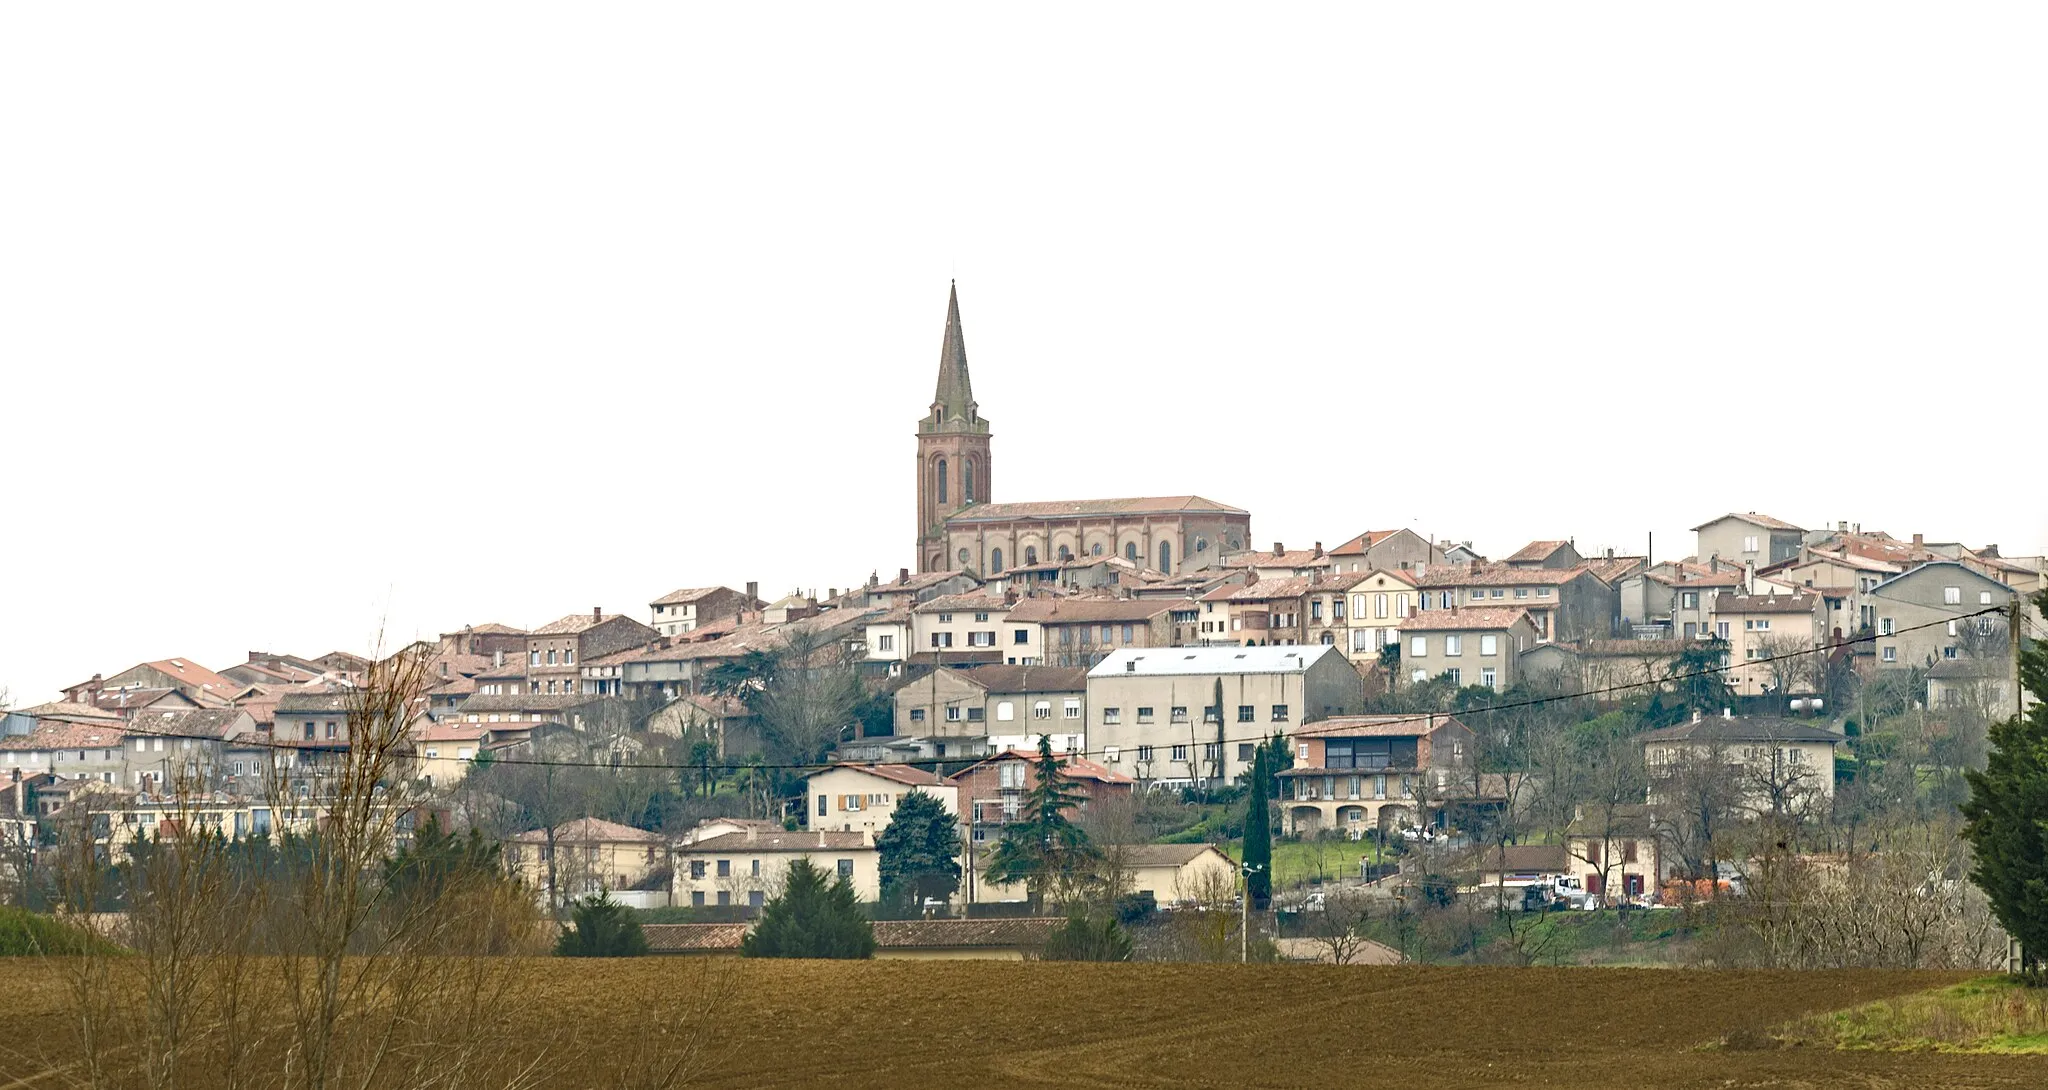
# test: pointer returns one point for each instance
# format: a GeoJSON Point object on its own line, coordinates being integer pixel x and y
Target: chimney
{"type": "Point", "coordinates": [831, 593]}
{"type": "Point", "coordinates": [596, 614]}
{"type": "Point", "coordinates": [1749, 577]}
{"type": "Point", "coordinates": [821, 839]}
{"type": "Point", "coordinates": [498, 658]}
{"type": "Point", "coordinates": [1727, 713]}
{"type": "Point", "coordinates": [902, 576]}
{"type": "Point", "coordinates": [1278, 548]}
{"type": "Point", "coordinates": [1319, 550]}
{"type": "Point", "coordinates": [1842, 527]}
{"type": "Point", "coordinates": [1610, 552]}
{"type": "Point", "coordinates": [750, 834]}
{"type": "Point", "coordinates": [1695, 715]}
{"type": "Point", "coordinates": [1918, 541]}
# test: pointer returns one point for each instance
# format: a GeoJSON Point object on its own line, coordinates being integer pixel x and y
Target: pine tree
{"type": "Point", "coordinates": [600, 927]}
{"type": "Point", "coordinates": [810, 919]}
{"type": "Point", "coordinates": [1046, 851]}
{"type": "Point", "coordinates": [1258, 836]}
{"type": "Point", "coordinates": [2006, 810]}
{"type": "Point", "coordinates": [919, 851]}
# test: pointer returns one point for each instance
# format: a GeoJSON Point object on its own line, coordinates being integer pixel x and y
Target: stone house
{"type": "Point", "coordinates": [1765, 633]}
{"type": "Point", "coordinates": [1475, 646]}
{"type": "Point", "coordinates": [1377, 602]}
{"type": "Point", "coordinates": [1082, 631]}
{"type": "Point", "coordinates": [1777, 765]}
{"type": "Point", "coordinates": [87, 751]}
{"type": "Point", "coordinates": [1387, 550]}
{"type": "Point", "coordinates": [590, 855]}
{"type": "Point", "coordinates": [1153, 713]}
{"type": "Point", "coordinates": [554, 649]}
{"type": "Point", "coordinates": [992, 791]}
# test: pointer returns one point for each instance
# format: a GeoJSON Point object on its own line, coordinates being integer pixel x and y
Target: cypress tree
{"type": "Point", "coordinates": [1258, 836]}
{"type": "Point", "coordinates": [2006, 809]}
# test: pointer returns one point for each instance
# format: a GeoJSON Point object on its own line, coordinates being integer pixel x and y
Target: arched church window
{"type": "Point", "coordinates": [967, 483]}
{"type": "Point", "coordinates": [942, 480]}
{"type": "Point", "coordinates": [1166, 557]}
{"type": "Point", "coordinates": [1201, 544]}
{"type": "Point", "coordinates": [1097, 550]}
{"type": "Point", "coordinates": [1066, 553]}
{"type": "Point", "coordinates": [1030, 555]}
{"type": "Point", "coordinates": [995, 560]}
{"type": "Point", "coordinates": [1131, 551]}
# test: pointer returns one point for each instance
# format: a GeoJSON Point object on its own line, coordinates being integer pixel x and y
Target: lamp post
{"type": "Point", "coordinates": [1244, 935]}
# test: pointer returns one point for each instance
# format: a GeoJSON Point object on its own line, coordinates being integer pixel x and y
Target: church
{"type": "Point", "coordinates": [959, 526]}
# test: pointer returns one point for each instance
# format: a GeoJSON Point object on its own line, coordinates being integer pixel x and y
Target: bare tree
{"type": "Point", "coordinates": [809, 696]}
{"type": "Point", "coordinates": [1338, 930]}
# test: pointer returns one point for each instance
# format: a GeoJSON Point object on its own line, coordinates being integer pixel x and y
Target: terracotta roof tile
{"type": "Point", "coordinates": [592, 831]}
{"type": "Point", "coordinates": [1764, 603]}
{"type": "Point", "coordinates": [1067, 509]}
{"type": "Point", "coordinates": [1764, 521]}
{"type": "Point", "coordinates": [1463, 620]}
{"type": "Point", "coordinates": [798, 842]}
{"type": "Point", "coordinates": [685, 596]}
{"type": "Point", "coordinates": [1537, 551]}
{"type": "Point", "coordinates": [1088, 610]}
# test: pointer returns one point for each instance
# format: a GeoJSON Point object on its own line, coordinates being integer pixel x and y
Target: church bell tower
{"type": "Point", "coordinates": [953, 470]}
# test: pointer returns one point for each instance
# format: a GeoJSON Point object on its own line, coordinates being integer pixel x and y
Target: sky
{"type": "Point", "coordinates": [318, 324]}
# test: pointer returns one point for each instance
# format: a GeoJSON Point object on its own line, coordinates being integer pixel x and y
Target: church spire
{"type": "Point", "coordinates": [954, 398]}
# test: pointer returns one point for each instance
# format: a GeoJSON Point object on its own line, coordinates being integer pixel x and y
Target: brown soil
{"type": "Point", "coordinates": [964, 1025]}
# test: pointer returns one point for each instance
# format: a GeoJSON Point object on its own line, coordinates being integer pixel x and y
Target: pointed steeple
{"type": "Point", "coordinates": [954, 398]}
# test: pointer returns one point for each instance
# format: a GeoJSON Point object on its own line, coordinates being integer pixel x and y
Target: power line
{"type": "Point", "coordinates": [1398, 717]}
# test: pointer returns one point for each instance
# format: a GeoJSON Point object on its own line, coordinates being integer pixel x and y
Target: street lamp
{"type": "Point", "coordinates": [1244, 935]}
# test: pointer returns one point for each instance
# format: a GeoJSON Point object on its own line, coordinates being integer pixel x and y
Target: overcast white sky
{"type": "Point", "coordinates": [461, 313]}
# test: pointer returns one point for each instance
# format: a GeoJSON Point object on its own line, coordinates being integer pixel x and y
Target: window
{"type": "Point", "coordinates": [1721, 629]}
{"type": "Point", "coordinates": [1951, 596]}
{"type": "Point", "coordinates": [981, 639]}
{"type": "Point", "coordinates": [725, 868]}
{"type": "Point", "coordinates": [1110, 754]}
{"type": "Point", "coordinates": [1144, 714]}
{"type": "Point", "coordinates": [1689, 600]}
{"type": "Point", "coordinates": [1521, 592]}
{"type": "Point", "coordinates": [1983, 597]}
{"type": "Point", "coordinates": [1112, 716]}
{"type": "Point", "coordinates": [1891, 654]}
{"type": "Point", "coordinates": [953, 714]}
{"type": "Point", "coordinates": [1489, 645]}
{"type": "Point", "coordinates": [1279, 713]}
{"type": "Point", "coordinates": [942, 480]}
{"type": "Point", "coordinates": [1453, 676]}
{"type": "Point", "coordinates": [824, 809]}
{"type": "Point", "coordinates": [1315, 610]}
{"type": "Point", "coordinates": [967, 483]}
{"type": "Point", "coordinates": [551, 656]}
{"type": "Point", "coordinates": [1145, 753]}
{"type": "Point", "coordinates": [1244, 713]}
{"type": "Point", "coordinates": [1488, 677]}
{"type": "Point", "coordinates": [1542, 592]}
{"type": "Point", "coordinates": [977, 715]}
{"type": "Point", "coordinates": [756, 898]}
{"type": "Point", "coordinates": [1108, 634]}
{"type": "Point", "coordinates": [849, 803]}
{"type": "Point", "coordinates": [1042, 710]}
{"type": "Point", "coordinates": [697, 896]}
{"type": "Point", "coordinates": [942, 639]}
{"type": "Point", "coordinates": [1478, 594]}
{"type": "Point", "coordinates": [945, 618]}
{"type": "Point", "coordinates": [1179, 713]}
{"type": "Point", "coordinates": [1131, 551]}
{"type": "Point", "coordinates": [1246, 751]}
{"type": "Point", "coordinates": [1071, 710]}
{"type": "Point", "coordinates": [1419, 676]}
{"type": "Point", "coordinates": [1749, 543]}
{"type": "Point", "coordinates": [725, 896]}
{"type": "Point", "coordinates": [917, 715]}
{"type": "Point", "coordinates": [885, 642]}
{"type": "Point", "coordinates": [1129, 632]}
{"type": "Point", "coordinates": [1005, 711]}
{"type": "Point", "coordinates": [1030, 554]}
{"type": "Point", "coordinates": [1418, 647]}
{"type": "Point", "coordinates": [1884, 626]}
{"type": "Point", "coordinates": [330, 731]}
{"type": "Point", "coordinates": [1454, 645]}
{"type": "Point", "coordinates": [1499, 593]}
{"type": "Point", "coordinates": [1020, 635]}
{"type": "Point", "coordinates": [1066, 636]}
{"type": "Point", "coordinates": [1212, 751]}
{"type": "Point", "coordinates": [1180, 753]}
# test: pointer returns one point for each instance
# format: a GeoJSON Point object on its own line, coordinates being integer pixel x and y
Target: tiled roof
{"type": "Point", "coordinates": [59, 735]}
{"type": "Point", "coordinates": [568, 626]}
{"type": "Point", "coordinates": [517, 702]}
{"type": "Point", "coordinates": [1349, 580]}
{"type": "Point", "coordinates": [1069, 509]}
{"type": "Point", "coordinates": [1464, 620]}
{"type": "Point", "coordinates": [64, 709]}
{"type": "Point", "coordinates": [124, 699]}
{"type": "Point", "coordinates": [515, 667]}
{"type": "Point", "coordinates": [1536, 551]}
{"type": "Point", "coordinates": [1745, 729]}
{"type": "Point", "coordinates": [1164, 855]}
{"type": "Point", "coordinates": [1763, 603]}
{"type": "Point", "coordinates": [1518, 858]}
{"type": "Point", "coordinates": [1079, 768]}
{"type": "Point", "coordinates": [1087, 610]}
{"type": "Point", "coordinates": [799, 842]}
{"type": "Point", "coordinates": [1695, 575]}
{"type": "Point", "coordinates": [916, 581]}
{"type": "Point", "coordinates": [1377, 726]}
{"type": "Point", "coordinates": [451, 732]}
{"type": "Point", "coordinates": [1364, 541]}
{"type": "Point", "coordinates": [1611, 569]}
{"type": "Point", "coordinates": [972, 602]}
{"type": "Point", "coordinates": [592, 831]}
{"type": "Point", "coordinates": [1027, 931]}
{"type": "Point", "coordinates": [685, 596]}
{"type": "Point", "coordinates": [1496, 575]}
{"type": "Point", "coordinates": [1028, 679]}
{"type": "Point", "coordinates": [910, 775]}
{"type": "Point", "coordinates": [1266, 590]}
{"type": "Point", "coordinates": [313, 702]}
{"type": "Point", "coordinates": [191, 673]}
{"type": "Point", "coordinates": [1754, 519]}
{"type": "Point", "coordinates": [1186, 661]}
{"type": "Point", "coordinates": [196, 723]}
{"type": "Point", "coordinates": [493, 628]}
{"type": "Point", "coordinates": [1292, 558]}
{"type": "Point", "coordinates": [685, 938]}
{"type": "Point", "coordinates": [756, 636]}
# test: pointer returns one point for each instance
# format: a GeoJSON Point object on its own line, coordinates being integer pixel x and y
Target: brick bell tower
{"type": "Point", "coordinates": [953, 470]}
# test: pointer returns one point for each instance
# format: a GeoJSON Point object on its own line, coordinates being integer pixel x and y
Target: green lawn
{"type": "Point", "coordinates": [1300, 862]}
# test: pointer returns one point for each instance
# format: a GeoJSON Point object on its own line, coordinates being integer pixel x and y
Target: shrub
{"type": "Point", "coordinates": [600, 927]}
{"type": "Point", "coordinates": [24, 934]}
{"type": "Point", "coordinates": [1085, 938]}
{"type": "Point", "coordinates": [810, 919]}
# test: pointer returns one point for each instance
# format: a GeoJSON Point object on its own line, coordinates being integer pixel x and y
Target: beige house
{"type": "Point", "coordinates": [962, 628]}
{"type": "Point", "coordinates": [443, 753]}
{"type": "Point", "coordinates": [1174, 875]}
{"type": "Point", "coordinates": [1153, 715]}
{"type": "Point", "coordinates": [1936, 611]}
{"type": "Point", "coordinates": [1563, 603]}
{"type": "Point", "coordinates": [1750, 538]}
{"type": "Point", "coordinates": [993, 700]}
{"type": "Point", "coordinates": [1766, 635]}
{"type": "Point", "coordinates": [1376, 604]}
{"type": "Point", "coordinates": [1081, 631]}
{"type": "Point", "coordinates": [589, 856]}
{"type": "Point", "coordinates": [863, 797]}
{"type": "Point", "coordinates": [749, 866]}
{"type": "Point", "coordinates": [1779, 766]}
{"type": "Point", "coordinates": [1620, 865]}
{"type": "Point", "coordinates": [686, 610]}
{"type": "Point", "coordinates": [1387, 550]}
{"type": "Point", "coordinates": [1478, 646]}
{"type": "Point", "coordinates": [1358, 772]}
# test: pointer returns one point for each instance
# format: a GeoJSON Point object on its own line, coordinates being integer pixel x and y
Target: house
{"type": "Point", "coordinates": [1777, 766]}
{"type": "Point", "coordinates": [1610, 671]}
{"type": "Point", "coordinates": [1556, 555]}
{"type": "Point", "coordinates": [863, 797]}
{"type": "Point", "coordinates": [1981, 685]}
{"type": "Point", "coordinates": [73, 750]}
{"type": "Point", "coordinates": [212, 748]}
{"type": "Point", "coordinates": [681, 665]}
{"type": "Point", "coordinates": [1173, 875]}
{"type": "Point", "coordinates": [1283, 563]}
{"type": "Point", "coordinates": [1617, 856]}
{"type": "Point", "coordinates": [964, 628]}
{"type": "Point", "coordinates": [685, 610]}
{"type": "Point", "coordinates": [589, 856]}
{"type": "Point", "coordinates": [1081, 631]}
{"type": "Point", "coordinates": [950, 702]}
{"type": "Point", "coordinates": [1676, 599]}
{"type": "Point", "coordinates": [126, 703]}
{"type": "Point", "coordinates": [1377, 602]}
{"type": "Point", "coordinates": [1353, 773]}
{"type": "Point", "coordinates": [908, 589]}
{"type": "Point", "coordinates": [313, 717]}
{"type": "Point", "coordinates": [1387, 550]}
{"type": "Point", "coordinates": [553, 650]}
{"type": "Point", "coordinates": [991, 792]}
{"type": "Point", "coordinates": [443, 753]}
{"type": "Point", "coordinates": [1472, 646]}
{"type": "Point", "coordinates": [1268, 612]}
{"type": "Point", "coordinates": [1757, 541]}
{"type": "Point", "coordinates": [724, 721]}
{"type": "Point", "coordinates": [749, 866]}
{"type": "Point", "coordinates": [1939, 610]}
{"type": "Point", "coordinates": [1154, 715]}
{"type": "Point", "coordinates": [196, 681]}
{"type": "Point", "coordinates": [1518, 866]}
{"type": "Point", "coordinates": [1563, 603]}
{"type": "Point", "coordinates": [1772, 641]}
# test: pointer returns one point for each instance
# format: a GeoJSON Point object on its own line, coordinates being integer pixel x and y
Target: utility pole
{"type": "Point", "coordinates": [2015, 628]}
{"type": "Point", "coordinates": [1244, 934]}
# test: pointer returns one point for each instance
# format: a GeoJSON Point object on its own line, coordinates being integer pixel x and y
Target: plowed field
{"type": "Point", "coordinates": [963, 1024]}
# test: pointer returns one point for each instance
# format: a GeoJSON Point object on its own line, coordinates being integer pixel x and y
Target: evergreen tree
{"type": "Point", "coordinates": [810, 919]}
{"type": "Point", "coordinates": [1258, 836]}
{"type": "Point", "coordinates": [1086, 938]}
{"type": "Point", "coordinates": [1045, 850]}
{"type": "Point", "coordinates": [2008, 812]}
{"type": "Point", "coordinates": [919, 851]}
{"type": "Point", "coordinates": [437, 860]}
{"type": "Point", "coordinates": [600, 927]}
